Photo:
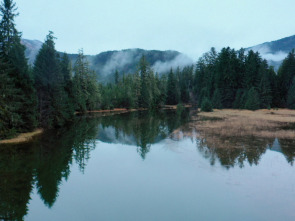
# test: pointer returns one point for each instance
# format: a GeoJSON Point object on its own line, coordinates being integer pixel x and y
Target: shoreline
{"type": "Point", "coordinates": [125, 110]}
{"type": "Point", "coordinates": [23, 137]}
{"type": "Point", "coordinates": [26, 137]}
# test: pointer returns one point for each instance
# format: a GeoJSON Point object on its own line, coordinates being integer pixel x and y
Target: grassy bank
{"type": "Point", "coordinates": [240, 123]}
{"type": "Point", "coordinates": [22, 138]}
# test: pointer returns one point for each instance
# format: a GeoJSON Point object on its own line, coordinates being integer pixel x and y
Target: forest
{"type": "Point", "coordinates": [49, 93]}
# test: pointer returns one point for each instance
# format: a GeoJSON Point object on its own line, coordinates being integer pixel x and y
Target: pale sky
{"type": "Point", "coordinates": [189, 26]}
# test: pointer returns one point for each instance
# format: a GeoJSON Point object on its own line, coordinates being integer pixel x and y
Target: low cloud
{"type": "Point", "coordinates": [267, 54]}
{"type": "Point", "coordinates": [117, 61]}
{"type": "Point", "coordinates": [179, 61]}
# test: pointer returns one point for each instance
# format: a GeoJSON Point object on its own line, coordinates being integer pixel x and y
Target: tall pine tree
{"type": "Point", "coordinates": [21, 108]}
{"type": "Point", "coordinates": [50, 82]}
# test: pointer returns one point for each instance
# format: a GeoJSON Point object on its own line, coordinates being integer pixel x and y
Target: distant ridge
{"type": "Point", "coordinates": [275, 51]}
{"type": "Point", "coordinates": [282, 45]}
{"type": "Point", "coordinates": [32, 49]}
{"type": "Point", "coordinates": [125, 61]}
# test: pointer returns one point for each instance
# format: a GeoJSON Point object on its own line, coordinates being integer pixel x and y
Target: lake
{"type": "Point", "coordinates": [146, 166]}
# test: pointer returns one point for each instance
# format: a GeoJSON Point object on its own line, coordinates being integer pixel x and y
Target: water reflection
{"type": "Point", "coordinates": [236, 151]}
{"type": "Point", "coordinates": [141, 129]}
{"type": "Point", "coordinates": [45, 163]}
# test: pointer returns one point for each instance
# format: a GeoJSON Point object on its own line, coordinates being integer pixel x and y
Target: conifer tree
{"type": "Point", "coordinates": [53, 99]}
{"type": "Point", "coordinates": [291, 95]}
{"type": "Point", "coordinates": [85, 87]}
{"type": "Point", "coordinates": [252, 102]}
{"type": "Point", "coordinates": [265, 89]}
{"type": "Point", "coordinates": [172, 92]}
{"type": "Point", "coordinates": [216, 99]}
{"type": "Point", "coordinates": [22, 110]}
{"type": "Point", "coordinates": [145, 97]}
{"type": "Point", "coordinates": [286, 74]}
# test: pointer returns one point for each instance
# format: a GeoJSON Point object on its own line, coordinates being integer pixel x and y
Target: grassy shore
{"type": "Point", "coordinates": [240, 123]}
{"type": "Point", "coordinates": [22, 138]}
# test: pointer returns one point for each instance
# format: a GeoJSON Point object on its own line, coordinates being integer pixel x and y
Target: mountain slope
{"type": "Point", "coordinates": [32, 49]}
{"type": "Point", "coordinates": [275, 51]}
{"type": "Point", "coordinates": [125, 61]}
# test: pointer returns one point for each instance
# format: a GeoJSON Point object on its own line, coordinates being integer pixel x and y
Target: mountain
{"type": "Point", "coordinates": [32, 49]}
{"type": "Point", "coordinates": [275, 51]}
{"type": "Point", "coordinates": [125, 61]}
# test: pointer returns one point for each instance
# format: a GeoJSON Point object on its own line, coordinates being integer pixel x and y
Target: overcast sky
{"type": "Point", "coordinates": [189, 26]}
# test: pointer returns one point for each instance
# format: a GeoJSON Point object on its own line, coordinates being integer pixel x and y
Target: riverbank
{"type": "Point", "coordinates": [263, 123]}
{"type": "Point", "coordinates": [22, 138]}
{"type": "Point", "coordinates": [115, 110]}
{"type": "Point", "coordinates": [125, 110]}
{"type": "Point", "coordinates": [26, 137]}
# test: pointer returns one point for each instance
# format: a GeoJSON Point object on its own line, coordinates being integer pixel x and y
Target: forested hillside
{"type": "Point", "coordinates": [275, 51]}
{"type": "Point", "coordinates": [124, 61]}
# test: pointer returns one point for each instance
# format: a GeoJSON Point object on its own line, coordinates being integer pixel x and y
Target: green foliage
{"type": "Point", "coordinates": [265, 90]}
{"type": "Point", "coordinates": [85, 87]}
{"type": "Point", "coordinates": [252, 102]}
{"type": "Point", "coordinates": [18, 97]}
{"type": "Point", "coordinates": [227, 77]}
{"type": "Point", "coordinates": [286, 74]}
{"type": "Point", "coordinates": [145, 98]}
{"type": "Point", "coordinates": [216, 100]}
{"type": "Point", "coordinates": [291, 96]}
{"type": "Point", "coordinates": [172, 90]}
{"type": "Point", "coordinates": [206, 105]}
{"type": "Point", "coordinates": [54, 103]}
{"type": "Point", "coordinates": [52, 92]}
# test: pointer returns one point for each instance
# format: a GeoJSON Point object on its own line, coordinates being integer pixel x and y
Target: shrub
{"type": "Point", "coordinates": [206, 105]}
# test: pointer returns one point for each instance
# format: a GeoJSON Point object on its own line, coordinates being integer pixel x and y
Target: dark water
{"type": "Point", "coordinates": [146, 166]}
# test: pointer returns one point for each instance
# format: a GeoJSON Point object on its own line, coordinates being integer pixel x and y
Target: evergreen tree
{"type": "Point", "coordinates": [85, 87]}
{"type": "Point", "coordinates": [291, 96]}
{"type": "Point", "coordinates": [252, 102]}
{"type": "Point", "coordinates": [172, 93]}
{"type": "Point", "coordinates": [252, 69]}
{"type": "Point", "coordinates": [53, 99]}
{"type": "Point", "coordinates": [286, 74]}
{"type": "Point", "coordinates": [206, 105]}
{"type": "Point", "coordinates": [216, 99]}
{"type": "Point", "coordinates": [21, 108]}
{"type": "Point", "coordinates": [145, 98]}
{"type": "Point", "coordinates": [240, 99]}
{"type": "Point", "coordinates": [226, 76]}
{"type": "Point", "coordinates": [9, 116]}
{"type": "Point", "coordinates": [265, 88]}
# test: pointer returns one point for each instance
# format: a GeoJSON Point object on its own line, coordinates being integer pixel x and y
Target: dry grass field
{"type": "Point", "coordinates": [240, 123]}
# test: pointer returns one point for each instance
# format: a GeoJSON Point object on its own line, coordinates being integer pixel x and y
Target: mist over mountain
{"type": "Point", "coordinates": [275, 51]}
{"type": "Point", "coordinates": [32, 49]}
{"type": "Point", "coordinates": [125, 61]}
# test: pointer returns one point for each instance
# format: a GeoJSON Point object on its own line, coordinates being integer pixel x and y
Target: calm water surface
{"type": "Point", "coordinates": [146, 166]}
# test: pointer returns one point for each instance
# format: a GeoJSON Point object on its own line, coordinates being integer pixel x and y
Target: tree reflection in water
{"type": "Point", "coordinates": [45, 163]}
{"type": "Point", "coordinates": [236, 151]}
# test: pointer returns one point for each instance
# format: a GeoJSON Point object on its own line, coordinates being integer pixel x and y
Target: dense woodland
{"type": "Point", "coordinates": [49, 93]}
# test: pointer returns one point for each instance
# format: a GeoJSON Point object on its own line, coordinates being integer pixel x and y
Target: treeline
{"type": "Point", "coordinates": [48, 94]}
{"type": "Point", "coordinates": [236, 79]}
{"type": "Point", "coordinates": [45, 95]}
{"type": "Point", "coordinates": [146, 89]}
